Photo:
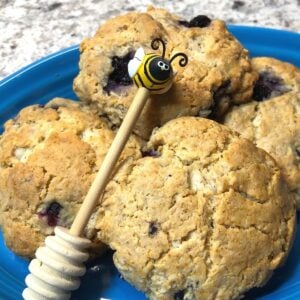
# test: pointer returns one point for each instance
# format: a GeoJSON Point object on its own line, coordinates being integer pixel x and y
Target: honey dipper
{"type": "Point", "coordinates": [59, 263]}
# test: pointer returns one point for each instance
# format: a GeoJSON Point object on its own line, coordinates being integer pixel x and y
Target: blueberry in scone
{"type": "Point", "coordinates": [199, 21]}
{"type": "Point", "coordinates": [275, 78]}
{"type": "Point", "coordinates": [217, 62]}
{"type": "Point", "coordinates": [50, 213]}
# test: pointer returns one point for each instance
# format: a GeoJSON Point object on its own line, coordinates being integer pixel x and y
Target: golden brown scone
{"type": "Point", "coordinates": [272, 120]}
{"type": "Point", "coordinates": [48, 159]}
{"type": "Point", "coordinates": [273, 125]}
{"type": "Point", "coordinates": [219, 69]}
{"type": "Point", "coordinates": [209, 43]}
{"type": "Point", "coordinates": [204, 214]}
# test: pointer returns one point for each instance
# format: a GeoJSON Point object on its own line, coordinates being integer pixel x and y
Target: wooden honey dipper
{"type": "Point", "coordinates": [58, 265]}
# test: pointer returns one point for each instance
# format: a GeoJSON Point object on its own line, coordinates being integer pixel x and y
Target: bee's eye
{"type": "Point", "coordinates": [160, 64]}
{"type": "Point", "coordinates": [163, 66]}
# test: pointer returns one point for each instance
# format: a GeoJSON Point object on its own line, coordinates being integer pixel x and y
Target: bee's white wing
{"type": "Point", "coordinates": [134, 63]}
{"type": "Point", "coordinates": [133, 66]}
{"type": "Point", "coordinates": [140, 53]}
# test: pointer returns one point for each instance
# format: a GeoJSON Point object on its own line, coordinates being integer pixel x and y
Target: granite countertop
{"type": "Point", "coordinates": [35, 28]}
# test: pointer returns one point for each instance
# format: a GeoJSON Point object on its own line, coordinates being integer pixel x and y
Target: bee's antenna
{"type": "Point", "coordinates": [183, 61]}
{"type": "Point", "coordinates": [155, 45]}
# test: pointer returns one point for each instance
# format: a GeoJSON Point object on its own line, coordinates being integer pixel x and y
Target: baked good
{"type": "Point", "coordinates": [272, 122]}
{"type": "Point", "coordinates": [48, 158]}
{"type": "Point", "coordinates": [204, 214]}
{"type": "Point", "coordinates": [275, 78]}
{"type": "Point", "coordinates": [218, 71]}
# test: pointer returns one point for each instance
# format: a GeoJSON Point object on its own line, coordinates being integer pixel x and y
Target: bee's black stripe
{"type": "Point", "coordinates": [147, 73]}
{"type": "Point", "coordinates": [155, 88]}
{"type": "Point", "coordinates": [149, 88]}
{"type": "Point", "coordinates": [145, 68]}
{"type": "Point", "coordinates": [141, 81]}
{"type": "Point", "coordinates": [158, 89]}
{"type": "Point", "coordinates": [135, 81]}
{"type": "Point", "coordinates": [150, 57]}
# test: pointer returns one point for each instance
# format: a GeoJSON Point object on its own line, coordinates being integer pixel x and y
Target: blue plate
{"type": "Point", "coordinates": [53, 76]}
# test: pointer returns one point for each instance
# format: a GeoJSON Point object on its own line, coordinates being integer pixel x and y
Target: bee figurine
{"type": "Point", "coordinates": [153, 71]}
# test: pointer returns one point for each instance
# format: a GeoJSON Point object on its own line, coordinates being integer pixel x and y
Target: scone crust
{"type": "Point", "coordinates": [50, 154]}
{"type": "Point", "coordinates": [273, 123]}
{"type": "Point", "coordinates": [205, 216]}
{"type": "Point", "coordinates": [218, 71]}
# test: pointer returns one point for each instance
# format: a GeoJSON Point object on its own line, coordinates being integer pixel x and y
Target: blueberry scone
{"type": "Point", "coordinates": [204, 214]}
{"type": "Point", "coordinates": [49, 156]}
{"type": "Point", "coordinates": [272, 119]}
{"type": "Point", "coordinates": [275, 78]}
{"type": "Point", "coordinates": [218, 72]}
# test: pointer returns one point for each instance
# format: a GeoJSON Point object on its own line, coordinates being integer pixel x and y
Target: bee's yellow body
{"type": "Point", "coordinates": [153, 71]}
{"type": "Point", "coordinates": [147, 76]}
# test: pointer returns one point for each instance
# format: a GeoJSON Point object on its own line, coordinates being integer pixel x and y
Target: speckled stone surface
{"type": "Point", "coordinates": [32, 29]}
